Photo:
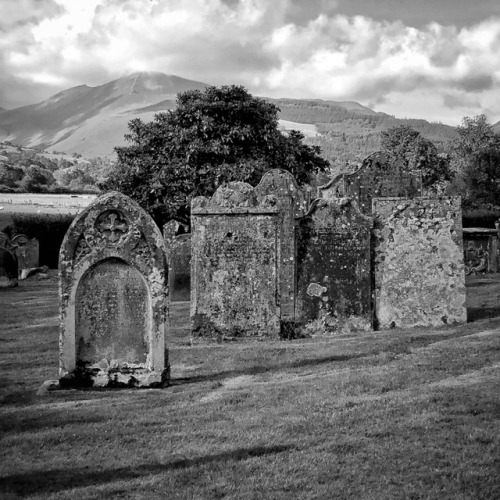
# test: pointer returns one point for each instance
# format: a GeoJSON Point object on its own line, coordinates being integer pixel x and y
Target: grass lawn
{"type": "Point", "coordinates": [397, 414]}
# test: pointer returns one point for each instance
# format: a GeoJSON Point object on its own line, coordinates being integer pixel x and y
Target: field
{"type": "Point", "coordinates": [385, 415]}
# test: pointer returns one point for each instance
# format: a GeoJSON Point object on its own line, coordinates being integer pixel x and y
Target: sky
{"type": "Point", "coordinates": [433, 59]}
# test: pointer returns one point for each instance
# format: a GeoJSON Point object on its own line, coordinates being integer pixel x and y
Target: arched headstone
{"type": "Point", "coordinates": [113, 270]}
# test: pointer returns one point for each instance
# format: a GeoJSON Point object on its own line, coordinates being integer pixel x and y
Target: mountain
{"type": "Point", "coordinates": [92, 120]}
{"type": "Point", "coordinates": [496, 127]}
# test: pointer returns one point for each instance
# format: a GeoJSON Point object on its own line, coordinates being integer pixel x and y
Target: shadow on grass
{"type": "Point", "coordinates": [477, 313]}
{"type": "Point", "coordinates": [63, 479]}
{"type": "Point", "coordinates": [257, 370]}
{"type": "Point", "coordinates": [52, 420]}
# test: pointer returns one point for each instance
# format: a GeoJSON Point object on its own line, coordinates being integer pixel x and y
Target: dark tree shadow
{"type": "Point", "coordinates": [52, 481]}
{"type": "Point", "coordinates": [477, 313]}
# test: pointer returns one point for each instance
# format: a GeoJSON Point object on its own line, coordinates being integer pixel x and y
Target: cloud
{"type": "Point", "coordinates": [282, 48]}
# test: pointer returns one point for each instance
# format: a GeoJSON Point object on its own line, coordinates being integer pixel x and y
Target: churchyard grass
{"type": "Point", "coordinates": [392, 414]}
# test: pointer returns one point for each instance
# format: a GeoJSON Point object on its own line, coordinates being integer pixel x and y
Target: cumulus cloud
{"type": "Point", "coordinates": [286, 48]}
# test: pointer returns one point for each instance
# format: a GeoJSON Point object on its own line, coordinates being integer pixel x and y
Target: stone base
{"type": "Point", "coordinates": [112, 378]}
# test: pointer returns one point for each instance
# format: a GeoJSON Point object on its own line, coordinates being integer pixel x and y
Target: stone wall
{"type": "Point", "coordinates": [234, 264]}
{"type": "Point", "coordinates": [112, 270]}
{"type": "Point", "coordinates": [418, 262]}
{"type": "Point", "coordinates": [334, 279]}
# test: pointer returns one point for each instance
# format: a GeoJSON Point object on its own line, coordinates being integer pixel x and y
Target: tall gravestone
{"type": "Point", "coordinates": [279, 188]}
{"type": "Point", "coordinates": [112, 270]}
{"type": "Point", "coordinates": [418, 262]}
{"type": "Point", "coordinates": [379, 176]}
{"type": "Point", "coordinates": [234, 263]}
{"type": "Point", "coordinates": [334, 279]}
{"type": "Point", "coordinates": [178, 247]}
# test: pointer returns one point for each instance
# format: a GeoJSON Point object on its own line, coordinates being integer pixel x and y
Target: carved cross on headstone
{"type": "Point", "coordinates": [112, 226]}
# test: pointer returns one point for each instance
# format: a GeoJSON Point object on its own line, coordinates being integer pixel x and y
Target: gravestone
{"type": "Point", "coordinates": [27, 253]}
{"type": "Point", "coordinates": [379, 176]}
{"type": "Point", "coordinates": [334, 279]}
{"type": "Point", "coordinates": [178, 247]}
{"type": "Point", "coordinates": [5, 241]}
{"type": "Point", "coordinates": [8, 269]}
{"type": "Point", "coordinates": [112, 269]}
{"type": "Point", "coordinates": [418, 262]}
{"type": "Point", "coordinates": [235, 245]}
{"type": "Point", "coordinates": [279, 188]}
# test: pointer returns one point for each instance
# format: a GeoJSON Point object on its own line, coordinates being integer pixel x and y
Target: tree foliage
{"type": "Point", "coordinates": [405, 144]}
{"type": "Point", "coordinates": [218, 135]}
{"type": "Point", "coordinates": [477, 160]}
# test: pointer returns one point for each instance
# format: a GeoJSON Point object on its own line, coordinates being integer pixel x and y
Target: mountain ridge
{"type": "Point", "coordinates": [91, 121]}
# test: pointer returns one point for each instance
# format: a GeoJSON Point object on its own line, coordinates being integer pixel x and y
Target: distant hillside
{"type": "Point", "coordinates": [92, 120]}
{"type": "Point", "coordinates": [496, 127]}
{"type": "Point", "coordinates": [348, 131]}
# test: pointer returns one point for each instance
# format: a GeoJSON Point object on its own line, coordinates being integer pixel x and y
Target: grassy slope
{"type": "Point", "coordinates": [411, 414]}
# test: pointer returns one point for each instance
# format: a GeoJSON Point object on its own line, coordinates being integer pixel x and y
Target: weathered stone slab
{"type": "Point", "coordinates": [279, 188]}
{"type": "Point", "coordinates": [8, 269]}
{"type": "Point", "coordinates": [178, 247]}
{"type": "Point", "coordinates": [378, 177]}
{"type": "Point", "coordinates": [235, 245]}
{"type": "Point", "coordinates": [27, 252]}
{"type": "Point", "coordinates": [418, 262]}
{"type": "Point", "coordinates": [334, 279]}
{"type": "Point", "coordinates": [112, 269]}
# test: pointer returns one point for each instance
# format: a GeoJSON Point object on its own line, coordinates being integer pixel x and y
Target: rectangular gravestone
{"type": "Point", "coordinates": [418, 262]}
{"type": "Point", "coordinates": [113, 297]}
{"type": "Point", "coordinates": [178, 247]}
{"type": "Point", "coordinates": [235, 252]}
{"type": "Point", "coordinates": [334, 280]}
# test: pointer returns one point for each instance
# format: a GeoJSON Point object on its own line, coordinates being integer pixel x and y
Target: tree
{"type": "Point", "coordinates": [477, 160]}
{"type": "Point", "coordinates": [37, 179]}
{"type": "Point", "coordinates": [403, 143]}
{"type": "Point", "coordinates": [214, 136]}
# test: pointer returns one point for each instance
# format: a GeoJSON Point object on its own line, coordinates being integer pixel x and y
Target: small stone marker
{"type": "Point", "coordinates": [418, 262]}
{"type": "Point", "coordinates": [5, 241]}
{"type": "Point", "coordinates": [334, 279]}
{"type": "Point", "coordinates": [235, 244]}
{"type": "Point", "coordinates": [8, 269]}
{"type": "Point", "coordinates": [112, 268]}
{"type": "Point", "coordinates": [27, 253]}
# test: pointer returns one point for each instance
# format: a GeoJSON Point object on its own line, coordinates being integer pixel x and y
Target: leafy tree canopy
{"type": "Point", "coordinates": [214, 136]}
{"type": "Point", "coordinates": [477, 159]}
{"type": "Point", "coordinates": [405, 144]}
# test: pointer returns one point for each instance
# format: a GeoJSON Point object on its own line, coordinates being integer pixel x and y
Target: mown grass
{"type": "Point", "coordinates": [399, 414]}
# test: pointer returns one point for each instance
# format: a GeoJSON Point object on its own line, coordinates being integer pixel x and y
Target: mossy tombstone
{"type": "Point", "coordinates": [113, 273]}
